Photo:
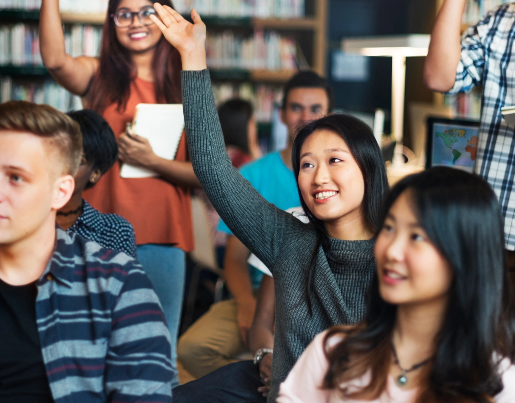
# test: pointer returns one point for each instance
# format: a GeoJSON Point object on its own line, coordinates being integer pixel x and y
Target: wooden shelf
{"type": "Point", "coordinates": [93, 19]}
{"type": "Point", "coordinates": [286, 24]}
{"type": "Point", "coordinates": [18, 71]}
{"type": "Point", "coordinates": [268, 76]}
{"type": "Point", "coordinates": [226, 22]}
{"type": "Point", "coordinates": [33, 15]}
{"type": "Point", "coordinates": [19, 15]}
{"type": "Point", "coordinates": [271, 76]}
{"type": "Point", "coordinates": [311, 29]}
{"type": "Point", "coordinates": [229, 74]}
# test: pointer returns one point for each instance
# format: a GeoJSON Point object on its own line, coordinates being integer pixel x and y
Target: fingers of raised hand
{"type": "Point", "coordinates": [173, 13]}
{"type": "Point", "coordinates": [158, 22]}
{"type": "Point", "coordinates": [195, 17]}
{"type": "Point", "coordinates": [164, 16]}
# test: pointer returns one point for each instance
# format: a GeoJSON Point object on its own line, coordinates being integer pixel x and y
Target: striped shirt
{"type": "Point", "coordinates": [109, 230]}
{"type": "Point", "coordinates": [487, 59]}
{"type": "Point", "coordinates": [103, 334]}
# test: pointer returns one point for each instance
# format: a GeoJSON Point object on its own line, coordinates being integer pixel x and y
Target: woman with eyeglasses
{"type": "Point", "coordinates": [136, 65]}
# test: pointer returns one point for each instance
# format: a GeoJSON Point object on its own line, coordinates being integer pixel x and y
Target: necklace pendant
{"type": "Point", "coordinates": [402, 379]}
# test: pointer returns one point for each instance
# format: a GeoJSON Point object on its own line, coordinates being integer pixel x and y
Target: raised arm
{"type": "Point", "coordinates": [444, 49]}
{"type": "Point", "coordinates": [74, 74]}
{"type": "Point", "coordinates": [259, 225]}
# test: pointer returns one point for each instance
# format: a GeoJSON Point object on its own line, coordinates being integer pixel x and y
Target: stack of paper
{"type": "Point", "coordinates": [162, 125]}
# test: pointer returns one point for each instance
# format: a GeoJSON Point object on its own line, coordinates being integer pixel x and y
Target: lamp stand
{"type": "Point", "coordinates": [398, 93]}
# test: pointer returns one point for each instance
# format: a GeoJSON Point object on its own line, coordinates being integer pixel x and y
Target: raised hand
{"type": "Point", "coordinates": [189, 39]}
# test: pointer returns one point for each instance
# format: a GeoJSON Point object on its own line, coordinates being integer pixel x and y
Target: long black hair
{"type": "Point", "coordinates": [461, 216]}
{"type": "Point", "coordinates": [116, 71]}
{"type": "Point", "coordinates": [234, 116]}
{"type": "Point", "coordinates": [365, 151]}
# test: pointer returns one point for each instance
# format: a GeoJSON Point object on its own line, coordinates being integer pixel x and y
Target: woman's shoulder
{"type": "Point", "coordinates": [333, 336]}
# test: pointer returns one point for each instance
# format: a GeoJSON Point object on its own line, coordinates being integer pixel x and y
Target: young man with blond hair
{"type": "Point", "coordinates": [79, 323]}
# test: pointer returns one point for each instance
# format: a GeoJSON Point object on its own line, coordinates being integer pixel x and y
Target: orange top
{"type": "Point", "coordinates": [159, 211]}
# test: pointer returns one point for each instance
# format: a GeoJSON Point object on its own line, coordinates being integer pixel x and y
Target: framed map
{"type": "Point", "coordinates": [452, 143]}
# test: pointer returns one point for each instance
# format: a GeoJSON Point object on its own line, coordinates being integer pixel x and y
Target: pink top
{"type": "Point", "coordinates": [302, 384]}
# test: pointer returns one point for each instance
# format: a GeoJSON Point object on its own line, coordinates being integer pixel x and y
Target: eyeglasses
{"type": "Point", "coordinates": [124, 17]}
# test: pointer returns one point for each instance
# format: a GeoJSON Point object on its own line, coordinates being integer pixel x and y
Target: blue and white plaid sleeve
{"type": "Point", "coordinates": [138, 366]}
{"type": "Point", "coordinates": [470, 68]}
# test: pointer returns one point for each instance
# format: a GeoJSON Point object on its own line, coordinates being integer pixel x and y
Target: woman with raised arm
{"type": "Point", "coordinates": [136, 65]}
{"type": "Point", "coordinates": [321, 270]}
{"type": "Point", "coordinates": [440, 323]}
{"type": "Point", "coordinates": [483, 58]}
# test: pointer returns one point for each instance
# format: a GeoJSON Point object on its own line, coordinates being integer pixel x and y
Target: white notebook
{"type": "Point", "coordinates": [162, 125]}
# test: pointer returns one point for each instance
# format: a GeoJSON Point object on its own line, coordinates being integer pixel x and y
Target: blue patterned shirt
{"type": "Point", "coordinates": [103, 333]}
{"type": "Point", "coordinates": [488, 59]}
{"type": "Point", "coordinates": [109, 230]}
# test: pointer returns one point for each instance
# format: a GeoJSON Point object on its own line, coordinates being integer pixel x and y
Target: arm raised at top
{"type": "Point", "coordinates": [444, 49]}
{"type": "Point", "coordinates": [74, 74]}
{"type": "Point", "coordinates": [189, 39]}
{"type": "Point", "coordinates": [259, 225]}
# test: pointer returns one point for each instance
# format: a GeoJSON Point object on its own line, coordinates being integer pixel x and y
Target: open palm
{"type": "Point", "coordinates": [184, 36]}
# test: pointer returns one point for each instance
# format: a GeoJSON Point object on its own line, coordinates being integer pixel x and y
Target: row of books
{"type": "Point", "coordinates": [465, 105]}
{"type": "Point", "coordinates": [262, 96]}
{"type": "Point", "coordinates": [477, 9]}
{"type": "Point", "coordinates": [19, 46]}
{"type": "Point", "coordinates": [19, 43]}
{"type": "Point", "coordinates": [243, 8]}
{"type": "Point", "coordinates": [222, 8]}
{"type": "Point", "coordinates": [83, 7]}
{"type": "Point", "coordinates": [71, 6]}
{"type": "Point", "coordinates": [262, 50]}
{"type": "Point", "coordinates": [42, 92]}
{"type": "Point", "coordinates": [20, 4]}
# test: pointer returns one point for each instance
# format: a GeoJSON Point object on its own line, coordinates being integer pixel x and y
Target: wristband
{"type": "Point", "coordinates": [260, 353]}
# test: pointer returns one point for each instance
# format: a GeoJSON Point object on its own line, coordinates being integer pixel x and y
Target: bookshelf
{"type": "Point", "coordinates": [307, 32]}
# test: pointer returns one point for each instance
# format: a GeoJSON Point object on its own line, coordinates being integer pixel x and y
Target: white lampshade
{"type": "Point", "coordinates": [398, 48]}
{"type": "Point", "coordinates": [402, 45]}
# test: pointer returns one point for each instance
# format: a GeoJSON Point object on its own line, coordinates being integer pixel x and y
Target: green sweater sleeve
{"type": "Point", "coordinates": [261, 226]}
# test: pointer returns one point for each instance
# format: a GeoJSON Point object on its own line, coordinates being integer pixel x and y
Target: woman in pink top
{"type": "Point", "coordinates": [440, 320]}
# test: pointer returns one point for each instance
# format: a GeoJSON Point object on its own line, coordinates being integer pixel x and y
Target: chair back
{"type": "Point", "coordinates": [204, 251]}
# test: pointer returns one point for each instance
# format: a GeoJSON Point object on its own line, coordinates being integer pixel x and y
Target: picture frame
{"type": "Point", "coordinates": [452, 142]}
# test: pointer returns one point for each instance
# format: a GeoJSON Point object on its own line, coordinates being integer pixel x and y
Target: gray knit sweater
{"type": "Point", "coordinates": [280, 240]}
